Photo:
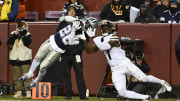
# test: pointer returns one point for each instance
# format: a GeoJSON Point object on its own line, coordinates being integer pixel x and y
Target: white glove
{"type": "Point", "coordinates": [82, 36]}
{"type": "Point", "coordinates": [91, 32]}
{"type": "Point", "coordinates": [67, 18]}
{"type": "Point", "coordinates": [76, 25]}
{"type": "Point", "coordinates": [61, 18]}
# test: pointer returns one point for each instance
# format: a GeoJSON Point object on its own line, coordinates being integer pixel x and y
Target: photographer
{"type": "Point", "coordinates": [137, 57]}
{"type": "Point", "coordinates": [20, 56]}
{"type": "Point", "coordinates": [140, 62]}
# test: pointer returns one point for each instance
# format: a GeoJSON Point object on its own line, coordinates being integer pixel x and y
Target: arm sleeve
{"type": "Point", "coordinates": [27, 40]}
{"type": "Point", "coordinates": [125, 14]}
{"type": "Point", "coordinates": [154, 10]}
{"type": "Point", "coordinates": [12, 38]}
{"type": "Point", "coordinates": [102, 45]}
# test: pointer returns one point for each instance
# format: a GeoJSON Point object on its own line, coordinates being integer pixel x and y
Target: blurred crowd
{"type": "Point", "coordinates": [119, 11]}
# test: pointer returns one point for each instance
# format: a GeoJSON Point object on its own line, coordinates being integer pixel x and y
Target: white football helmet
{"type": "Point", "coordinates": [107, 28]}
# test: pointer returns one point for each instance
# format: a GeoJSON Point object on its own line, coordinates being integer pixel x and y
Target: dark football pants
{"type": "Point", "coordinates": [67, 61]}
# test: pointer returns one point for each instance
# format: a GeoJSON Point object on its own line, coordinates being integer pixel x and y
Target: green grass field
{"type": "Point", "coordinates": [74, 98]}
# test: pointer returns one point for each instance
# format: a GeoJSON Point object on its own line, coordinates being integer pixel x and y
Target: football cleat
{"type": "Point", "coordinates": [25, 77]}
{"type": "Point", "coordinates": [32, 84]}
{"type": "Point", "coordinates": [167, 86]}
{"type": "Point", "coordinates": [147, 99]}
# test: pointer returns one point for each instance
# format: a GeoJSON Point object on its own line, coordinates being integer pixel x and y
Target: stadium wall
{"type": "Point", "coordinates": [159, 51]}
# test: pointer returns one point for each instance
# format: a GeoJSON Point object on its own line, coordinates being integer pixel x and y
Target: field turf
{"type": "Point", "coordinates": [74, 98]}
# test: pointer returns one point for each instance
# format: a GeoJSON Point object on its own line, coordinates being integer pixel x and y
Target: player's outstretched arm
{"type": "Point", "coordinates": [114, 41]}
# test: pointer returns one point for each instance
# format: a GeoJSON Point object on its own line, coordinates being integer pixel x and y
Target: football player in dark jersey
{"type": "Point", "coordinates": [52, 48]}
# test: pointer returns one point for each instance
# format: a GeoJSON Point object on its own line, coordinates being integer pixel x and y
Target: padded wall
{"type": "Point", "coordinates": [4, 53]}
{"type": "Point", "coordinates": [157, 48]}
{"type": "Point", "coordinates": [156, 45]}
{"type": "Point", "coordinates": [175, 68]}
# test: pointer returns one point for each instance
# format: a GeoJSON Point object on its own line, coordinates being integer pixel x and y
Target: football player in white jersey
{"type": "Point", "coordinates": [120, 65]}
{"type": "Point", "coordinates": [51, 49]}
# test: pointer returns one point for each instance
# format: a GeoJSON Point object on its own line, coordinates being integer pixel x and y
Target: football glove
{"type": "Point", "coordinates": [82, 36]}
{"type": "Point", "coordinates": [91, 32]}
{"type": "Point", "coordinates": [67, 18]}
{"type": "Point", "coordinates": [76, 25]}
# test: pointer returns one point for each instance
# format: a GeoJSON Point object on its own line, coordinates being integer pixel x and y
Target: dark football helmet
{"type": "Point", "coordinates": [107, 28]}
{"type": "Point", "coordinates": [139, 54]}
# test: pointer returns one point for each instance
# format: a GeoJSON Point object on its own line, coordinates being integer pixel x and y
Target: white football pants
{"type": "Point", "coordinates": [119, 79]}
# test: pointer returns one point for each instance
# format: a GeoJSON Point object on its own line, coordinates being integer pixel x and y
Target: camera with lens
{"type": "Point", "coordinates": [22, 32]}
{"type": "Point", "coordinates": [139, 54]}
{"type": "Point", "coordinates": [129, 52]}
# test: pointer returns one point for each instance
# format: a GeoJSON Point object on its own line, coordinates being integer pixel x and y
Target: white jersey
{"type": "Point", "coordinates": [114, 55]}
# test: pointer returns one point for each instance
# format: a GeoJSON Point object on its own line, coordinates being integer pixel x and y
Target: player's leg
{"type": "Point", "coordinates": [119, 81]}
{"type": "Point", "coordinates": [51, 57]}
{"type": "Point", "coordinates": [137, 73]}
{"type": "Point", "coordinates": [42, 52]}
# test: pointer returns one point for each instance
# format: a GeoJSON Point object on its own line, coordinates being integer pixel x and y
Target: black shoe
{"type": "Point", "coordinates": [84, 98]}
{"type": "Point", "coordinates": [68, 97]}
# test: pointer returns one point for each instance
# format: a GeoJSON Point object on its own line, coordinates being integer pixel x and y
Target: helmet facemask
{"type": "Point", "coordinates": [107, 28]}
{"type": "Point", "coordinates": [87, 25]}
{"type": "Point", "coordinates": [91, 22]}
